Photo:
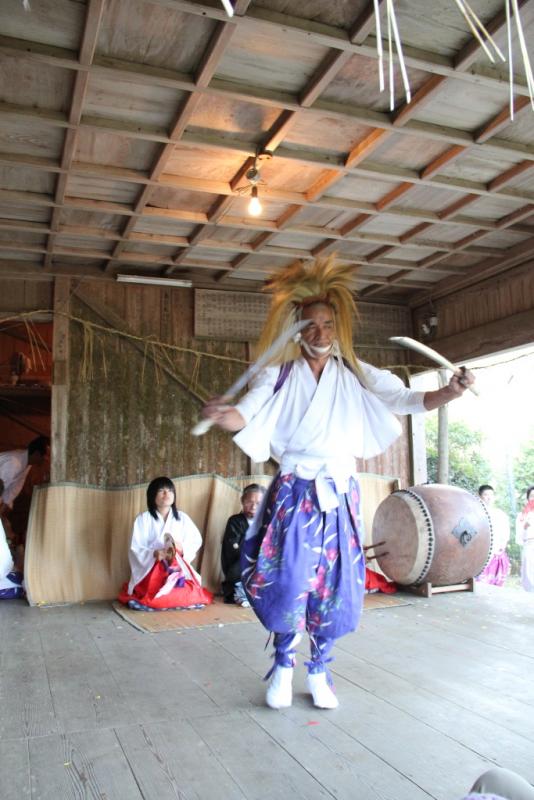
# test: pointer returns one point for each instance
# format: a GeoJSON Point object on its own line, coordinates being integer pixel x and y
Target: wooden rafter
{"type": "Point", "coordinates": [93, 19]}
{"type": "Point", "coordinates": [299, 105]}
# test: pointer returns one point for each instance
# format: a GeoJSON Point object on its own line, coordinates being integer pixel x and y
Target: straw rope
{"type": "Point", "coordinates": [160, 351]}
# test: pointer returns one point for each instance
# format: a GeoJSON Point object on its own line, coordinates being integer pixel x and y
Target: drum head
{"type": "Point", "coordinates": [435, 533]}
{"type": "Point", "coordinates": [401, 523]}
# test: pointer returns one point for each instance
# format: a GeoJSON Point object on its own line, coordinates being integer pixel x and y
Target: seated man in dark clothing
{"type": "Point", "coordinates": [236, 529]}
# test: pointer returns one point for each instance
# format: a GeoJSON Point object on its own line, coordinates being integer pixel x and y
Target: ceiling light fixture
{"type": "Point", "coordinates": [254, 207]}
{"type": "Point", "coordinates": [228, 7]}
{"type": "Point", "coordinates": [153, 280]}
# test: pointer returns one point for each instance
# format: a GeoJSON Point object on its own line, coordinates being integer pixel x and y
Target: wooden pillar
{"type": "Point", "coordinates": [418, 449]}
{"type": "Point", "coordinates": [60, 381]}
{"type": "Point", "coordinates": [443, 435]}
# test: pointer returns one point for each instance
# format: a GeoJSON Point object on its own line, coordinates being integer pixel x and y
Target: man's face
{"type": "Point", "coordinates": [488, 497]}
{"type": "Point", "coordinates": [251, 503]}
{"type": "Point", "coordinates": [321, 331]}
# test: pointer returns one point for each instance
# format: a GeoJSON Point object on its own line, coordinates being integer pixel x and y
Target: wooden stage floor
{"type": "Point", "coordinates": [431, 694]}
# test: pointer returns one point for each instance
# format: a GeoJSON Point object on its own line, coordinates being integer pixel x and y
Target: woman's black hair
{"type": "Point", "coordinates": [529, 490]}
{"type": "Point", "coordinates": [152, 490]}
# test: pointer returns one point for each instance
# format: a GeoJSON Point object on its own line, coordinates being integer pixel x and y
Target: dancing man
{"type": "Point", "coordinates": [315, 411]}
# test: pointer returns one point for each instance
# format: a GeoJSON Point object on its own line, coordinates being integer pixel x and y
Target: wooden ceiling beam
{"type": "Point", "coordinates": [515, 256]}
{"type": "Point", "coordinates": [279, 130]}
{"type": "Point", "coordinates": [418, 101]}
{"type": "Point", "coordinates": [22, 225]}
{"type": "Point", "coordinates": [366, 117]}
{"type": "Point", "coordinates": [389, 198]}
{"type": "Point", "coordinates": [336, 38]}
{"type": "Point", "coordinates": [351, 226]}
{"type": "Point", "coordinates": [462, 202]}
{"type": "Point", "coordinates": [415, 231]}
{"type": "Point", "coordinates": [285, 219]}
{"type": "Point", "coordinates": [445, 158]}
{"type": "Point", "coordinates": [509, 175]}
{"type": "Point", "coordinates": [463, 244]}
{"type": "Point", "coordinates": [142, 73]}
{"type": "Point", "coordinates": [364, 23]}
{"type": "Point", "coordinates": [333, 62]}
{"type": "Point", "coordinates": [378, 253]}
{"type": "Point", "coordinates": [208, 64]}
{"type": "Point", "coordinates": [501, 120]}
{"type": "Point", "coordinates": [324, 182]}
{"type": "Point", "coordinates": [516, 216]}
{"type": "Point", "coordinates": [93, 21]}
{"type": "Point", "coordinates": [364, 148]}
{"type": "Point", "coordinates": [472, 51]}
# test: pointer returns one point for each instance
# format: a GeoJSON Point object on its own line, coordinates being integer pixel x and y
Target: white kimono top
{"type": "Point", "coordinates": [6, 562]}
{"type": "Point", "coordinates": [317, 429]}
{"type": "Point", "coordinates": [500, 525]}
{"type": "Point", "coordinates": [147, 536]}
{"type": "Point", "coordinates": [13, 470]}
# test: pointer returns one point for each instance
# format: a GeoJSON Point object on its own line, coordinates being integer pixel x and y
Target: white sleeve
{"type": "Point", "coordinates": [260, 392]}
{"type": "Point", "coordinates": [13, 474]}
{"type": "Point", "coordinates": [191, 539]}
{"type": "Point", "coordinates": [141, 553]}
{"type": "Point", "coordinates": [6, 562]}
{"type": "Point", "coordinates": [519, 530]}
{"type": "Point", "coordinates": [391, 390]}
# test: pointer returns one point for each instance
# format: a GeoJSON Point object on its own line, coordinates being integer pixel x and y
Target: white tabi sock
{"type": "Point", "coordinates": [323, 696]}
{"type": "Point", "coordinates": [280, 692]}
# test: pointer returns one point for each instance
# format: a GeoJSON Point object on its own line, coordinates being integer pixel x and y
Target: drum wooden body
{"type": "Point", "coordinates": [435, 533]}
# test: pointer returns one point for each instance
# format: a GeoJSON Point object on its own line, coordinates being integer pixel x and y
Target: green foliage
{"type": "Point", "coordinates": [467, 466]}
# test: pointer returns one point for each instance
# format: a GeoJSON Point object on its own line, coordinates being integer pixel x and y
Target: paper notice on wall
{"type": "Point", "coordinates": [233, 316]}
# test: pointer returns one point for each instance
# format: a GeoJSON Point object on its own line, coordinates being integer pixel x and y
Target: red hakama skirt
{"type": "Point", "coordinates": [189, 594]}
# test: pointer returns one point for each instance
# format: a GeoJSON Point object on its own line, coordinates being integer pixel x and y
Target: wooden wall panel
{"type": "Point", "coordinates": [31, 295]}
{"type": "Point", "coordinates": [493, 315]}
{"type": "Point", "coordinates": [129, 420]}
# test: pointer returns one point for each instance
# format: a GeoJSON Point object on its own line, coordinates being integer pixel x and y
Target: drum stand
{"type": "Point", "coordinates": [426, 589]}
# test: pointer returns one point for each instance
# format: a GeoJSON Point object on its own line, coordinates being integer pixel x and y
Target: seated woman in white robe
{"type": "Point", "coordinates": [11, 557]}
{"type": "Point", "coordinates": [164, 542]}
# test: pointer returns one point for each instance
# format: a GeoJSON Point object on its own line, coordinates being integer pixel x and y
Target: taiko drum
{"type": "Point", "coordinates": [432, 533]}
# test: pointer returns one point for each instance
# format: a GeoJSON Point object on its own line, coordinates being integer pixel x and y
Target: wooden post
{"type": "Point", "coordinates": [254, 467]}
{"type": "Point", "coordinates": [443, 435]}
{"type": "Point", "coordinates": [418, 459]}
{"type": "Point", "coordinates": [60, 381]}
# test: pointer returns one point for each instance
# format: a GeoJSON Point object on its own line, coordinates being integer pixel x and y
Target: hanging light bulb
{"type": "Point", "coordinates": [254, 207]}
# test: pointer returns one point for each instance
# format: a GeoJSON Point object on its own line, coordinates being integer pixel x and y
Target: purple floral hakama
{"type": "Point", "coordinates": [302, 568]}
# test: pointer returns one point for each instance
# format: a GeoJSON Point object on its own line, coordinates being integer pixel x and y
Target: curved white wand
{"type": "Point", "coordinates": [205, 424]}
{"type": "Point", "coordinates": [433, 355]}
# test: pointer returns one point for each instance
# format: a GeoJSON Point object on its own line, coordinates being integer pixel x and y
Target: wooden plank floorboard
{"type": "Point", "coordinates": [489, 739]}
{"type": "Point", "coordinates": [14, 769]}
{"type": "Point", "coordinates": [343, 765]}
{"type": "Point", "coordinates": [147, 673]}
{"type": "Point", "coordinates": [230, 685]}
{"type": "Point", "coordinates": [261, 767]}
{"type": "Point", "coordinates": [471, 676]}
{"type": "Point", "coordinates": [430, 694]}
{"type": "Point", "coordinates": [90, 764]}
{"type": "Point", "coordinates": [26, 700]}
{"type": "Point", "coordinates": [501, 617]}
{"type": "Point", "coordinates": [356, 704]}
{"type": "Point", "coordinates": [85, 694]}
{"type": "Point", "coordinates": [171, 760]}
{"type": "Point", "coordinates": [492, 667]}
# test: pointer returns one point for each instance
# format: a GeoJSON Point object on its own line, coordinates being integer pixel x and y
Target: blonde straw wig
{"type": "Point", "coordinates": [306, 283]}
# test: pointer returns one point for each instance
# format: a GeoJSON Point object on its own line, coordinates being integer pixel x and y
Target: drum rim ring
{"type": "Point", "coordinates": [431, 540]}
